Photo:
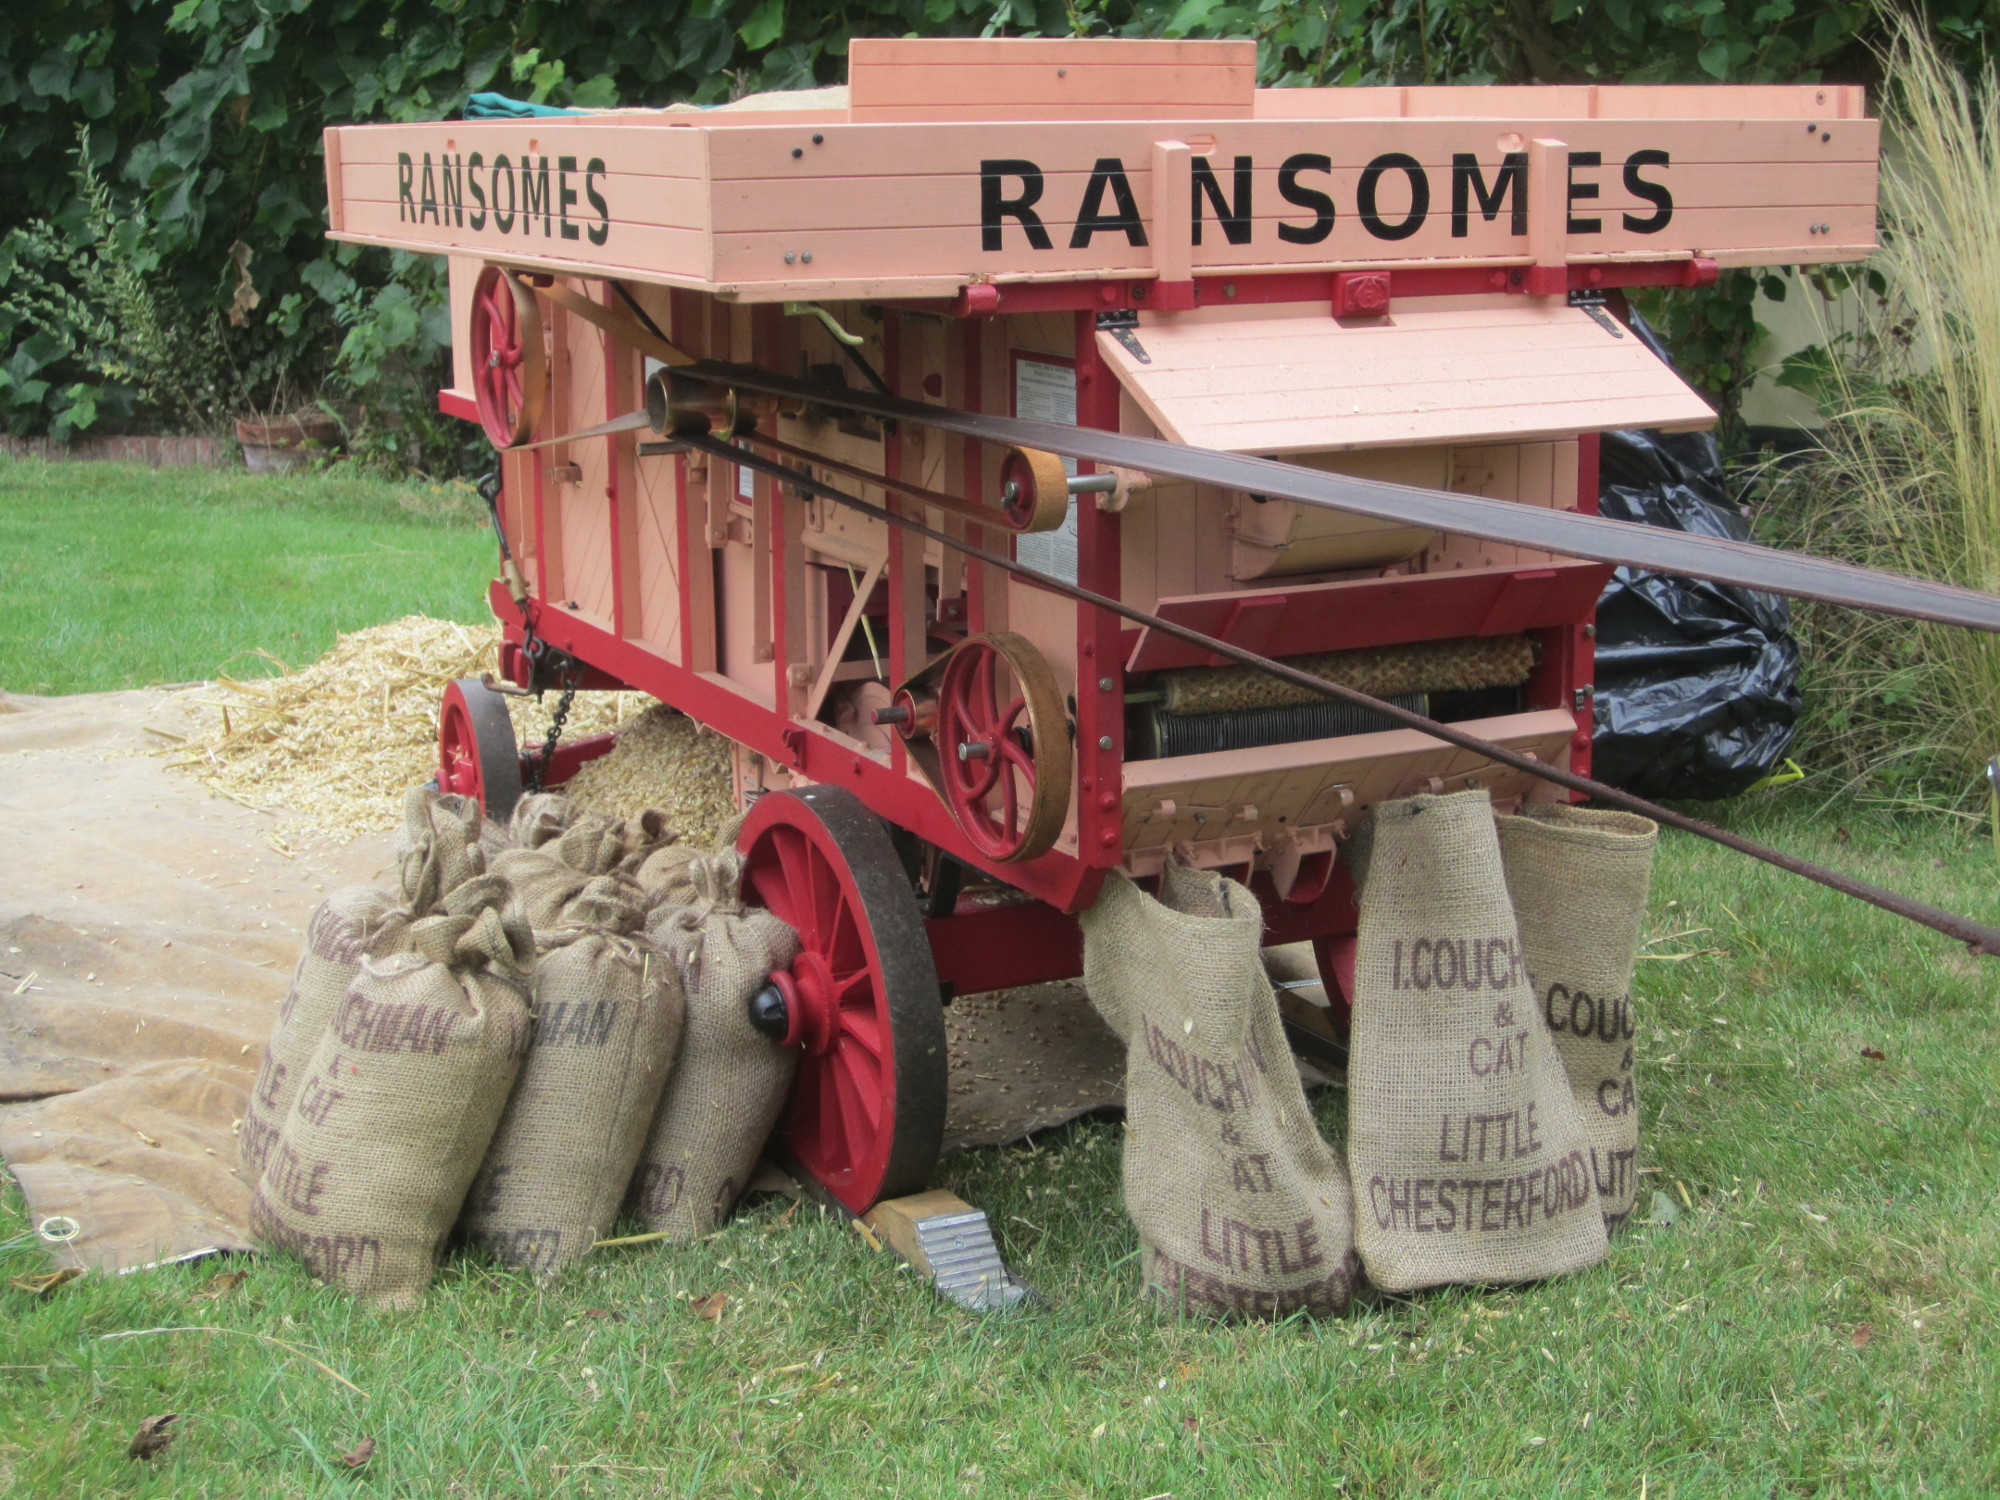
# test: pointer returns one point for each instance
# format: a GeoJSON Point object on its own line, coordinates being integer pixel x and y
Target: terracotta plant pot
{"type": "Point", "coordinates": [280, 444]}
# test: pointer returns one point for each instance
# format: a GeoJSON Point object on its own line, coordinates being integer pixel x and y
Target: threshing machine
{"type": "Point", "coordinates": [694, 335]}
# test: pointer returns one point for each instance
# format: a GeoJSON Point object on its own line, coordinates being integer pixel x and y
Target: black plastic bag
{"type": "Point", "coordinates": [1697, 683]}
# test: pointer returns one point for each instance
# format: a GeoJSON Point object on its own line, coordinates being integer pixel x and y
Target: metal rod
{"type": "Point", "coordinates": [1977, 936]}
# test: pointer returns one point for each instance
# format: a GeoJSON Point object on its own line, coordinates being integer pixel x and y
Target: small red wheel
{"type": "Point", "coordinates": [866, 1117]}
{"type": "Point", "coordinates": [508, 368]}
{"type": "Point", "coordinates": [478, 755]}
{"type": "Point", "coordinates": [1003, 746]}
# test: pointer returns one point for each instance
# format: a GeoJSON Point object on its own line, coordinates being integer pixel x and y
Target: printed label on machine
{"type": "Point", "coordinates": [1045, 391]}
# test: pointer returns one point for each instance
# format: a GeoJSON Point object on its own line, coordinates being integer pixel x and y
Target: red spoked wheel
{"type": "Point", "coordinates": [509, 371]}
{"type": "Point", "coordinates": [478, 756]}
{"type": "Point", "coordinates": [866, 1117]}
{"type": "Point", "coordinates": [1003, 746]}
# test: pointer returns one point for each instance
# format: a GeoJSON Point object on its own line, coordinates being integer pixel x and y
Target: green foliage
{"type": "Point", "coordinates": [205, 119]}
{"type": "Point", "coordinates": [1909, 475]}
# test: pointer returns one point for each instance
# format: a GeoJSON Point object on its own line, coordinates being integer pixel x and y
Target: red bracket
{"type": "Point", "coordinates": [1361, 294]}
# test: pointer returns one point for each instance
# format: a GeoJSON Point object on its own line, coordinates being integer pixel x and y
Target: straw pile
{"type": "Point", "coordinates": [338, 743]}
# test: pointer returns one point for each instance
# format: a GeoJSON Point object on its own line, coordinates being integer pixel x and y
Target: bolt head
{"type": "Point", "coordinates": [1104, 742]}
{"type": "Point", "coordinates": [1104, 684]}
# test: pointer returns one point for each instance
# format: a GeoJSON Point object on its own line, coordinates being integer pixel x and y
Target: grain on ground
{"type": "Point", "coordinates": [335, 744]}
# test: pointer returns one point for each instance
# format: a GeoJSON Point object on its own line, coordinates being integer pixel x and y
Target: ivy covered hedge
{"type": "Point", "coordinates": [161, 185]}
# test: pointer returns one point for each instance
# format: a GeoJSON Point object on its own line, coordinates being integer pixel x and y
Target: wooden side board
{"type": "Point", "coordinates": [764, 211]}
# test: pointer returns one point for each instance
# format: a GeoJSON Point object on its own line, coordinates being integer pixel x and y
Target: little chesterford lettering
{"type": "Point", "coordinates": [1012, 188]}
{"type": "Point", "coordinates": [501, 192]}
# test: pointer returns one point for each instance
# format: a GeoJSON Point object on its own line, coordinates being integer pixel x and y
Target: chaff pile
{"type": "Point", "coordinates": [663, 760]}
{"type": "Point", "coordinates": [338, 742]}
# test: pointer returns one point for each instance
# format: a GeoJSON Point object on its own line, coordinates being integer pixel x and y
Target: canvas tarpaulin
{"type": "Point", "coordinates": [148, 930]}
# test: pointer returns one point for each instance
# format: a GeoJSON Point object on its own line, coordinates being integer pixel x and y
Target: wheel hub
{"type": "Point", "coordinates": [809, 997]}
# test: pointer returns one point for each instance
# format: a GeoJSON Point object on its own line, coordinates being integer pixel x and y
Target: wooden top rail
{"type": "Point", "coordinates": [957, 162]}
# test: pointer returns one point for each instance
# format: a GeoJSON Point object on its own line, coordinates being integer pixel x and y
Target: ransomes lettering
{"type": "Point", "coordinates": [455, 190]}
{"type": "Point", "coordinates": [1393, 195]}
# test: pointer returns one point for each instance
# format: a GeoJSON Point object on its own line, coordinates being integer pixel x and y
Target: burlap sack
{"type": "Point", "coordinates": [608, 1017]}
{"type": "Point", "coordinates": [401, 1100]}
{"type": "Point", "coordinates": [730, 1081]}
{"type": "Point", "coordinates": [666, 875]}
{"type": "Point", "coordinates": [538, 818]}
{"type": "Point", "coordinates": [1468, 1158]}
{"type": "Point", "coordinates": [548, 876]}
{"type": "Point", "coordinates": [437, 849]}
{"type": "Point", "coordinates": [1241, 1208]}
{"type": "Point", "coordinates": [1578, 879]}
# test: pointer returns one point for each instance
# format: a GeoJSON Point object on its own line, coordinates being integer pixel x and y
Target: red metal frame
{"type": "Point", "coordinates": [992, 299]}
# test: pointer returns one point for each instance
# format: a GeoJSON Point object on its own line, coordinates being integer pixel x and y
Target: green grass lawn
{"type": "Point", "coordinates": [117, 576]}
{"type": "Point", "coordinates": [1822, 1318]}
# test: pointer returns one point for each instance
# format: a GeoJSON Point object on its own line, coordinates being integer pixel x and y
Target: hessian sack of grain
{"type": "Point", "coordinates": [730, 1081]}
{"type": "Point", "coordinates": [401, 1099]}
{"type": "Point", "coordinates": [1468, 1156]}
{"type": "Point", "coordinates": [1241, 1207]}
{"type": "Point", "coordinates": [608, 1018]}
{"type": "Point", "coordinates": [436, 850]}
{"type": "Point", "coordinates": [548, 876]}
{"type": "Point", "coordinates": [1578, 878]}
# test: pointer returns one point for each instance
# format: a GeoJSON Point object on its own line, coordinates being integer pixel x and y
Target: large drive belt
{"type": "Point", "coordinates": [1567, 532]}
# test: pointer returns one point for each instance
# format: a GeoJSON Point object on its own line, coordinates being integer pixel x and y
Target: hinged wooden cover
{"type": "Point", "coordinates": [1455, 370]}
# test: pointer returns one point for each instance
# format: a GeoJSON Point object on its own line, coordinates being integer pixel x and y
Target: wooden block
{"type": "Point", "coordinates": [895, 1220]}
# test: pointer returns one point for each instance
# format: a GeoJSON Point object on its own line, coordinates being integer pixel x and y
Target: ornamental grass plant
{"type": "Point", "coordinates": [1908, 475]}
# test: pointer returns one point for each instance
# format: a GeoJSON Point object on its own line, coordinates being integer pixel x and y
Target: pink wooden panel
{"type": "Point", "coordinates": [747, 149]}
{"type": "Point", "coordinates": [895, 79]}
{"type": "Point", "coordinates": [629, 247]}
{"type": "Point", "coordinates": [1310, 383]}
{"type": "Point", "coordinates": [461, 272]}
{"type": "Point", "coordinates": [890, 205]}
{"type": "Point", "coordinates": [1023, 89]}
{"type": "Point", "coordinates": [1822, 101]}
{"type": "Point", "coordinates": [936, 200]}
{"type": "Point", "coordinates": [668, 202]}
{"type": "Point", "coordinates": [672, 147]}
{"type": "Point", "coordinates": [585, 517]}
{"type": "Point", "coordinates": [845, 255]}
{"type": "Point", "coordinates": [1272, 788]}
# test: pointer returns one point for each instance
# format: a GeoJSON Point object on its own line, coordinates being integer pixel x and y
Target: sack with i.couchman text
{"type": "Point", "coordinates": [401, 1099]}
{"type": "Point", "coordinates": [1578, 878]}
{"type": "Point", "coordinates": [1469, 1160]}
{"type": "Point", "coordinates": [730, 1081]}
{"type": "Point", "coordinates": [608, 1017]}
{"type": "Point", "coordinates": [437, 849]}
{"type": "Point", "coordinates": [1242, 1209]}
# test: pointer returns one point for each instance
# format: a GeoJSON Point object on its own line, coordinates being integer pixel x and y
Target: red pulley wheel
{"type": "Point", "coordinates": [1003, 746]}
{"type": "Point", "coordinates": [509, 371]}
{"type": "Point", "coordinates": [866, 1118]}
{"type": "Point", "coordinates": [478, 756]}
